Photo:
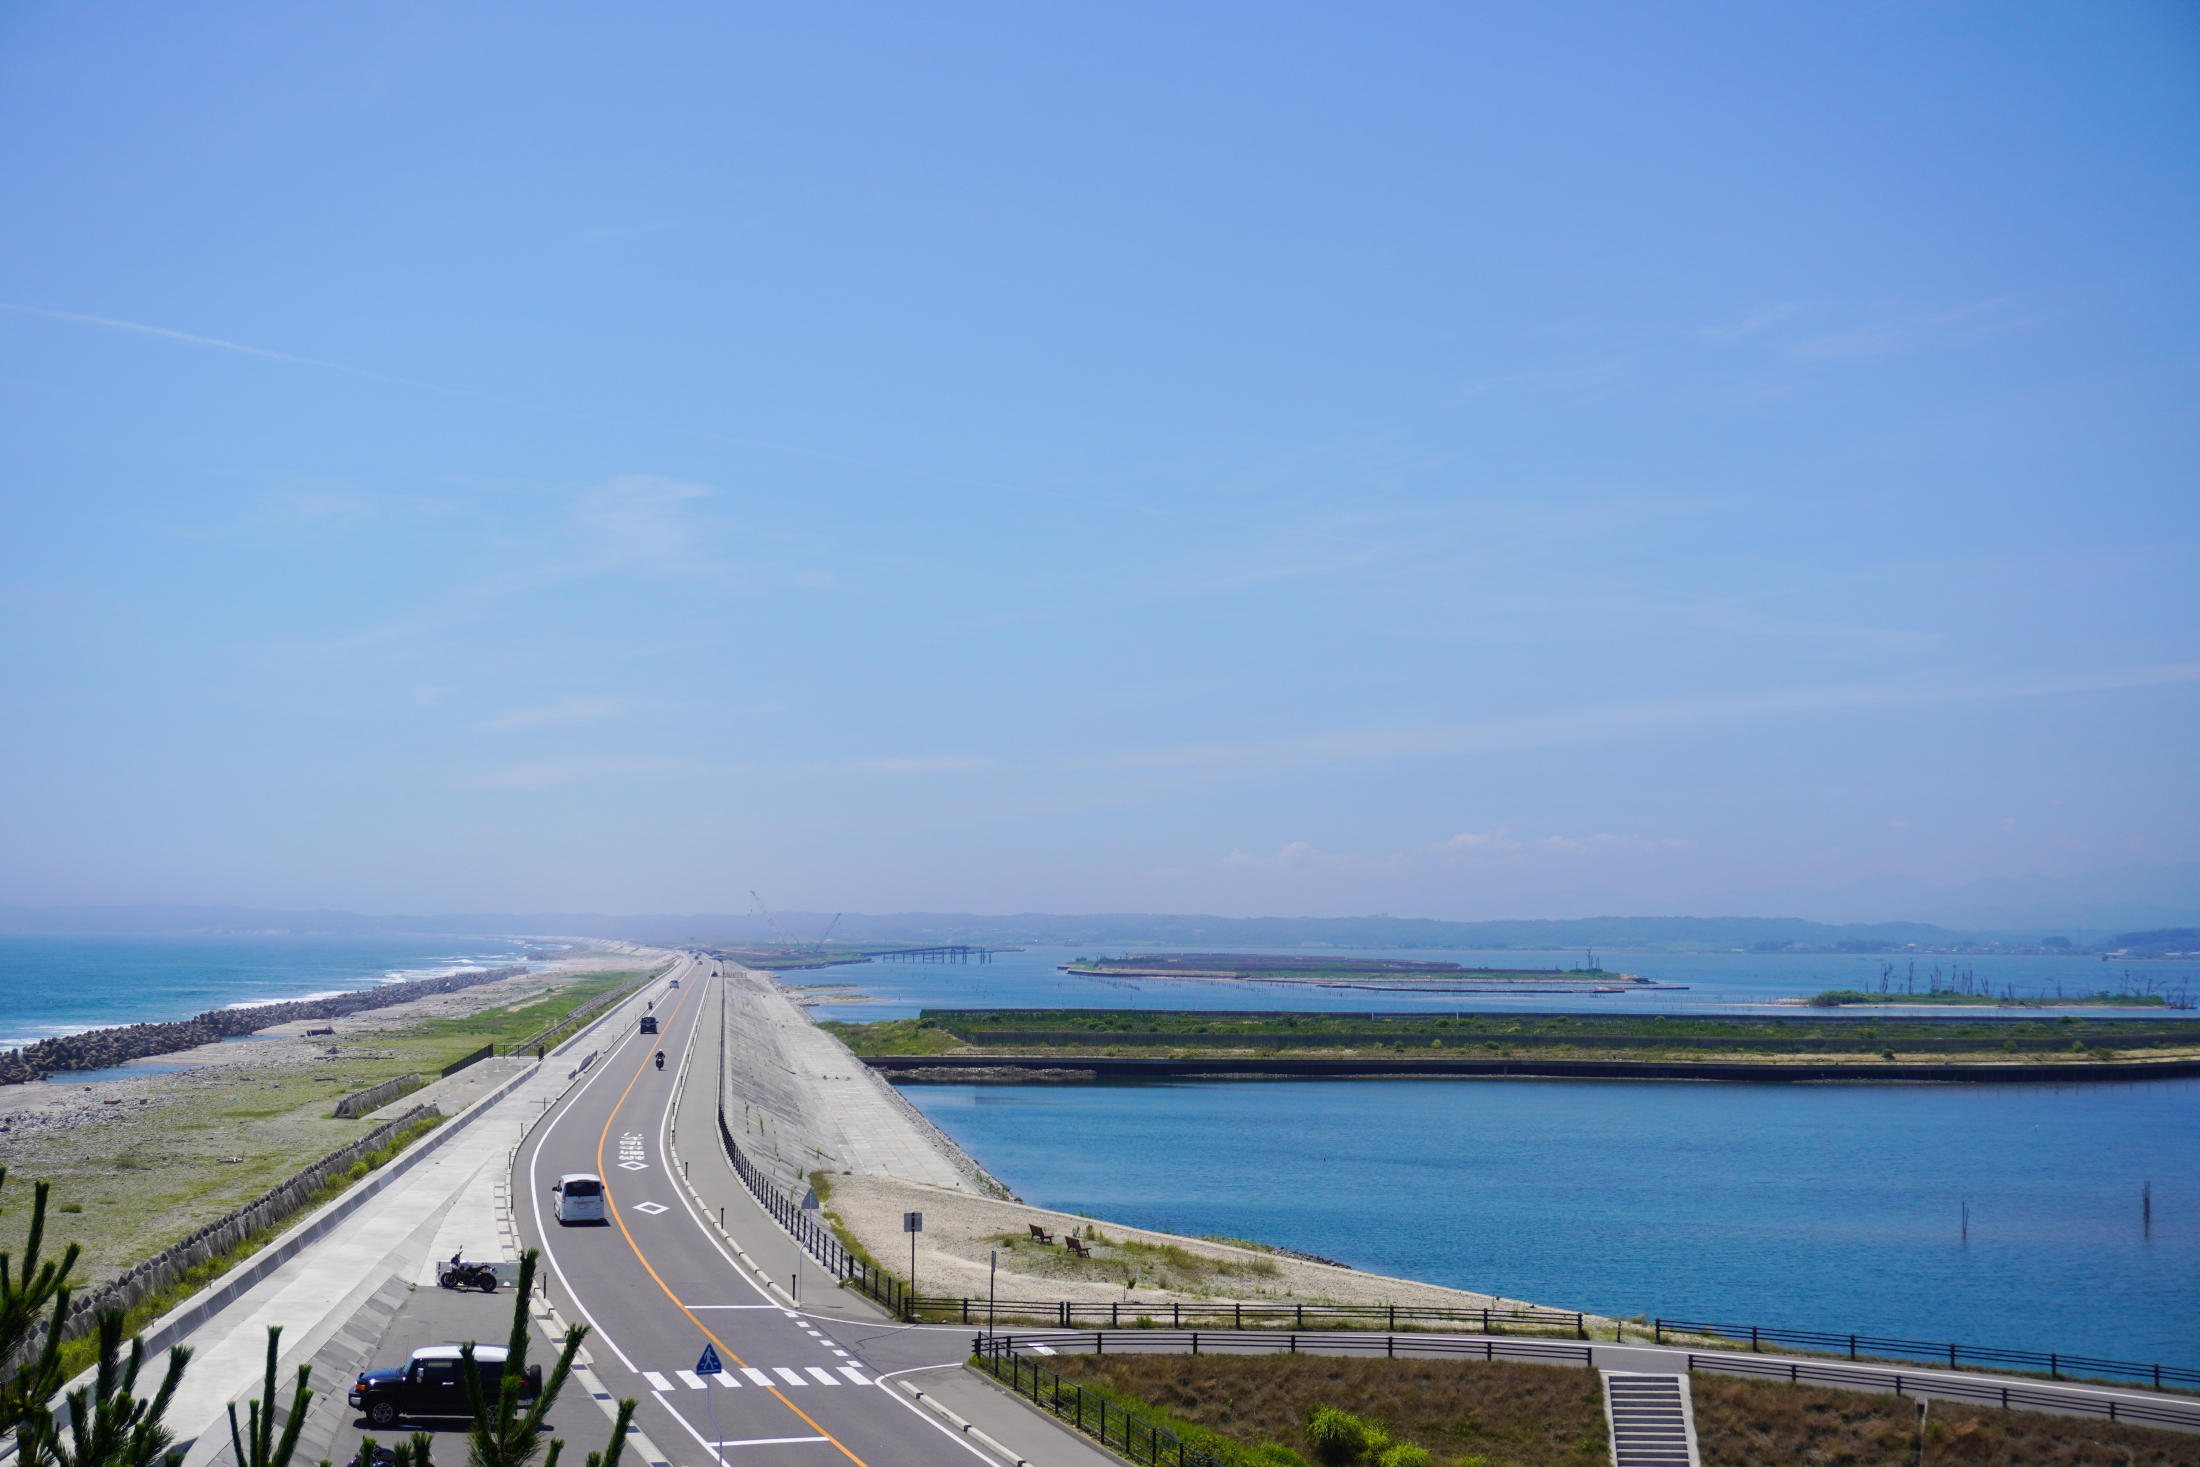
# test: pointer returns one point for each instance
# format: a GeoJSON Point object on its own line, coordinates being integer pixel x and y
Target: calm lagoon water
{"type": "Point", "coordinates": [1703, 983]}
{"type": "Point", "coordinates": [1810, 1206]}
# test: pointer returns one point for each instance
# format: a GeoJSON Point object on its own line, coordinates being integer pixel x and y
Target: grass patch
{"type": "Point", "coordinates": [1255, 1411]}
{"type": "Point", "coordinates": [80, 1353]}
{"type": "Point", "coordinates": [1747, 1423]}
{"type": "Point", "coordinates": [893, 1036]}
{"type": "Point", "coordinates": [1259, 1407]}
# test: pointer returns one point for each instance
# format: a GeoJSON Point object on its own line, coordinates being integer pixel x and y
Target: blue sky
{"type": "Point", "coordinates": [1459, 461]}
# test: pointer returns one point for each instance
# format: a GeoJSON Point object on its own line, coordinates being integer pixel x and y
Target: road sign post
{"type": "Point", "coordinates": [912, 1223]}
{"type": "Point", "coordinates": [809, 1216]}
{"type": "Point", "coordinates": [707, 1370]}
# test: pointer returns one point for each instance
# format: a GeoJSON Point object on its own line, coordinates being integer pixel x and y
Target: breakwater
{"type": "Point", "coordinates": [261, 1214]}
{"type": "Point", "coordinates": [998, 1068]}
{"type": "Point", "coordinates": [99, 1049]}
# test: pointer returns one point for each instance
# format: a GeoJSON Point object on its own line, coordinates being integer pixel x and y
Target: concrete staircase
{"type": "Point", "coordinates": [1652, 1419]}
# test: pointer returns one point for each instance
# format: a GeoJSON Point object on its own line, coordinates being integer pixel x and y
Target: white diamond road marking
{"type": "Point", "coordinates": [652, 1208]}
{"type": "Point", "coordinates": [818, 1371]}
{"type": "Point", "coordinates": [789, 1376]}
{"type": "Point", "coordinates": [656, 1381]}
{"type": "Point", "coordinates": [633, 1166]}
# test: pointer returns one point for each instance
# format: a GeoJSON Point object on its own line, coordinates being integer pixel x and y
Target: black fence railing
{"type": "Point", "coordinates": [1134, 1314]}
{"type": "Point", "coordinates": [1955, 1357]}
{"type": "Point", "coordinates": [816, 1239]}
{"type": "Point", "coordinates": [1136, 1438]}
{"type": "Point", "coordinates": [1293, 1342]}
{"type": "Point", "coordinates": [2165, 1412]}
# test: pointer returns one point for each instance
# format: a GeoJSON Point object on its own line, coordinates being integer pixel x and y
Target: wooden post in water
{"type": "Point", "coordinates": [2146, 1210]}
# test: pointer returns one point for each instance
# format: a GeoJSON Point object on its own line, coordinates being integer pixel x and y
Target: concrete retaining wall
{"type": "Point", "coordinates": [359, 1102]}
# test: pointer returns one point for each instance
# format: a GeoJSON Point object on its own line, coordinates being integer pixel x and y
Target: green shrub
{"type": "Point", "coordinates": [358, 1169]}
{"type": "Point", "coordinates": [1404, 1454]}
{"type": "Point", "coordinates": [1273, 1454]}
{"type": "Point", "coordinates": [1340, 1438]}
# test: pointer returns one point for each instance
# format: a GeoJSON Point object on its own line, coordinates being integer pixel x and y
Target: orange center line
{"type": "Point", "coordinates": [723, 1348]}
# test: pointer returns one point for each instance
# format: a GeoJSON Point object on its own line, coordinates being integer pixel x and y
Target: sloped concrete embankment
{"type": "Point", "coordinates": [798, 1101]}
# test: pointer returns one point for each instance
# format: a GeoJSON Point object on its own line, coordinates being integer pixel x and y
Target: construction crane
{"type": "Point", "coordinates": [828, 937]}
{"type": "Point", "coordinates": [778, 938]}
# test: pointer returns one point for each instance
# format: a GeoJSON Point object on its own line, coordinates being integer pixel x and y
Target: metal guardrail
{"type": "Point", "coordinates": [2164, 1412]}
{"type": "Point", "coordinates": [1136, 1438]}
{"type": "Point", "coordinates": [814, 1236]}
{"type": "Point", "coordinates": [1958, 1357]}
{"type": "Point", "coordinates": [1293, 1342]}
{"type": "Point", "coordinates": [1069, 1313]}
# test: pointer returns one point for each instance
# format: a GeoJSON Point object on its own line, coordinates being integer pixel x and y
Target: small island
{"type": "Point", "coordinates": [1378, 975]}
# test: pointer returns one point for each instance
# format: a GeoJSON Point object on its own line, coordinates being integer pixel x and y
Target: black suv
{"type": "Point", "coordinates": [430, 1384]}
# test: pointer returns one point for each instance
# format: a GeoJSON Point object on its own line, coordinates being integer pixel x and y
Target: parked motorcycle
{"type": "Point", "coordinates": [457, 1274]}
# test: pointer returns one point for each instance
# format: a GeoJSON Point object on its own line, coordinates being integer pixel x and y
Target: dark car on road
{"type": "Point", "coordinates": [430, 1384]}
{"type": "Point", "coordinates": [649, 1023]}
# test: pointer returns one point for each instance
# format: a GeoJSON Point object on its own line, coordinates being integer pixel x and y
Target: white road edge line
{"type": "Point", "coordinates": [929, 1418]}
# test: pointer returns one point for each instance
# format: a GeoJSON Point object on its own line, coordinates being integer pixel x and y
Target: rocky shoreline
{"type": "Point", "coordinates": [99, 1049]}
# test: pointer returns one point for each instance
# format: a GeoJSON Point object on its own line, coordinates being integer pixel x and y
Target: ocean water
{"type": "Point", "coordinates": [55, 985]}
{"type": "Point", "coordinates": [1699, 983]}
{"type": "Point", "coordinates": [1833, 1207]}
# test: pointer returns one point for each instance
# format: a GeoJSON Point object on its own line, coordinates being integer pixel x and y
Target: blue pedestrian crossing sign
{"type": "Point", "coordinates": [709, 1365]}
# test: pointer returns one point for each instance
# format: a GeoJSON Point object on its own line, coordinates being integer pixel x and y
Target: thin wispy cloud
{"type": "Point", "coordinates": [1750, 324]}
{"type": "Point", "coordinates": [555, 715]}
{"type": "Point", "coordinates": [1507, 735]}
{"type": "Point", "coordinates": [217, 343]}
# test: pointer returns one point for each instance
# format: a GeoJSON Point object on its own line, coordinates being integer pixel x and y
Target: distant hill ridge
{"type": "Point", "coordinates": [1098, 929]}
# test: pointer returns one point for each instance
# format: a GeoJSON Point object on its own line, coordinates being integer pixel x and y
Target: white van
{"type": "Point", "coordinates": [580, 1197]}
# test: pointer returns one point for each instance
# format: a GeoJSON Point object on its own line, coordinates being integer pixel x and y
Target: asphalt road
{"type": "Point", "coordinates": [658, 1287]}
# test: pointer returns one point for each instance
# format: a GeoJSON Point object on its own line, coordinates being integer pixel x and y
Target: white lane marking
{"type": "Point", "coordinates": [789, 1376]}
{"type": "Point", "coordinates": [819, 1373]}
{"type": "Point", "coordinates": [680, 1195]}
{"type": "Point", "coordinates": [656, 1381]}
{"type": "Point", "coordinates": [756, 1377]}
{"type": "Point", "coordinates": [693, 1381]}
{"type": "Point", "coordinates": [733, 1306]}
{"type": "Point", "coordinates": [1042, 1349]}
{"type": "Point", "coordinates": [564, 1109]}
{"type": "Point", "coordinates": [854, 1375]}
{"type": "Point", "coordinates": [773, 1441]}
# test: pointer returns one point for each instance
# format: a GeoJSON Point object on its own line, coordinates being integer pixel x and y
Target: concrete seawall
{"type": "Point", "coordinates": [798, 1101]}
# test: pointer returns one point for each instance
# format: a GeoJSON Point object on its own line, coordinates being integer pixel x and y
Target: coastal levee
{"type": "Point", "coordinates": [962, 1069]}
{"type": "Point", "coordinates": [99, 1049]}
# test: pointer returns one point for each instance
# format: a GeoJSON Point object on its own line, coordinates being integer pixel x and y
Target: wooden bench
{"type": "Point", "coordinates": [1040, 1235]}
{"type": "Point", "coordinates": [1070, 1242]}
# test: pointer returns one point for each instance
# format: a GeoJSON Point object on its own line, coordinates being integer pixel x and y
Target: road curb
{"type": "Point", "coordinates": [922, 1398]}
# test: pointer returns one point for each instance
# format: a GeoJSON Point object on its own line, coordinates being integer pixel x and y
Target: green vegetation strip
{"type": "Point", "coordinates": [1300, 1410]}
{"type": "Point", "coordinates": [1070, 1032]}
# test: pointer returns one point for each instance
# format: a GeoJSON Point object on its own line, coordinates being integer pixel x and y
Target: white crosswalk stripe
{"type": "Point", "coordinates": [854, 1374]}
{"type": "Point", "coordinates": [820, 1374]}
{"type": "Point", "coordinates": [656, 1381]}
{"type": "Point", "coordinates": [725, 1378]}
{"type": "Point", "coordinates": [756, 1376]}
{"type": "Point", "coordinates": [789, 1376]}
{"type": "Point", "coordinates": [690, 1379]}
